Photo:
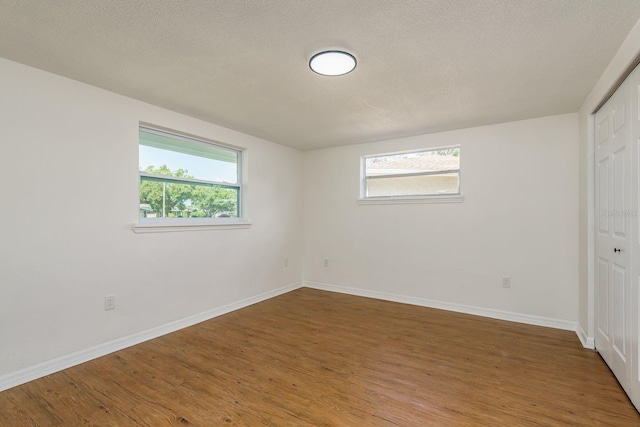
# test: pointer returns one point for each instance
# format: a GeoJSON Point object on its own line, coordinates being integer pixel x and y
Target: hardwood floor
{"type": "Point", "coordinates": [314, 358]}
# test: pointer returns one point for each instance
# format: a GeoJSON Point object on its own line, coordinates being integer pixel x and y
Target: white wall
{"type": "Point", "coordinates": [622, 60]}
{"type": "Point", "coordinates": [518, 219]}
{"type": "Point", "coordinates": [69, 178]}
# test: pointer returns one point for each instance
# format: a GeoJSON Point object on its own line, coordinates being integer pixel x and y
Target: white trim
{"type": "Point", "coordinates": [591, 225]}
{"type": "Point", "coordinates": [413, 174]}
{"type": "Point", "coordinates": [587, 342]}
{"type": "Point", "coordinates": [412, 151]}
{"type": "Point", "coordinates": [442, 305]}
{"type": "Point", "coordinates": [189, 225]}
{"type": "Point", "coordinates": [162, 178]}
{"type": "Point", "coordinates": [458, 198]}
{"type": "Point", "coordinates": [63, 362]}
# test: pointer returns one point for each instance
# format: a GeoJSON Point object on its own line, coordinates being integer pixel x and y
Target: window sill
{"type": "Point", "coordinates": [457, 198]}
{"type": "Point", "coordinates": [180, 225]}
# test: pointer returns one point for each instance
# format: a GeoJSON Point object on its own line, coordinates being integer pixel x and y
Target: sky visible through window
{"type": "Point", "coordinates": [198, 167]}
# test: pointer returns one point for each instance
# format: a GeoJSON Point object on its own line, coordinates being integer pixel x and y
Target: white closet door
{"type": "Point", "coordinates": [633, 389]}
{"type": "Point", "coordinates": [616, 289]}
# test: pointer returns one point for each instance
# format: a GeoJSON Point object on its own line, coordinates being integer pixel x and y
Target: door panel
{"type": "Point", "coordinates": [614, 311]}
{"type": "Point", "coordinates": [603, 298]}
{"type": "Point", "coordinates": [619, 314]}
{"type": "Point", "coordinates": [602, 131]}
{"type": "Point", "coordinates": [619, 117]}
{"type": "Point", "coordinates": [603, 175]}
{"type": "Point", "coordinates": [633, 307]}
{"type": "Point", "coordinates": [619, 193]}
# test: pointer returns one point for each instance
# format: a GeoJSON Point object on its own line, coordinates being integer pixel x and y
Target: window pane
{"type": "Point", "coordinates": [418, 173]}
{"type": "Point", "coordinates": [414, 185]}
{"type": "Point", "coordinates": [412, 163]}
{"type": "Point", "coordinates": [172, 200]}
{"type": "Point", "coordinates": [166, 155]}
{"type": "Point", "coordinates": [186, 145]}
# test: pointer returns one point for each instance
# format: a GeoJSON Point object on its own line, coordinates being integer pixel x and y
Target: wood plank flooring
{"type": "Point", "coordinates": [314, 358]}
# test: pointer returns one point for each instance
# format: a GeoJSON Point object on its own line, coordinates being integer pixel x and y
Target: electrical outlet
{"type": "Point", "coordinates": [286, 262]}
{"type": "Point", "coordinates": [326, 262]}
{"type": "Point", "coordinates": [506, 282]}
{"type": "Point", "coordinates": [109, 302]}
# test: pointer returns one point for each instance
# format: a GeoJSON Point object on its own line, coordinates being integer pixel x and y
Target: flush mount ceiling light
{"type": "Point", "coordinates": [332, 63]}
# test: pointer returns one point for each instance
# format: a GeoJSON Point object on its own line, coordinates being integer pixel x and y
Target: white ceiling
{"type": "Point", "coordinates": [423, 65]}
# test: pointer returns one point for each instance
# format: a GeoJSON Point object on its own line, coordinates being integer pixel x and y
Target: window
{"type": "Point", "coordinates": [416, 174]}
{"type": "Point", "coordinates": [185, 178]}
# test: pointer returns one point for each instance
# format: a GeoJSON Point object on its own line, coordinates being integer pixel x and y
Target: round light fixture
{"type": "Point", "coordinates": [332, 63]}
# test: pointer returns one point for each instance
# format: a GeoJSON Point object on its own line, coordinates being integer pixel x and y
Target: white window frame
{"type": "Point", "coordinates": [363, 199]}
{"type": "Point", "coordinates": [154, 225]}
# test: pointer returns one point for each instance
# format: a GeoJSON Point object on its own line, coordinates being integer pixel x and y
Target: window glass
{"type": "Point", "coordinates": [184, 177]}
{"type": "Point", "coordinates": [419, 173]}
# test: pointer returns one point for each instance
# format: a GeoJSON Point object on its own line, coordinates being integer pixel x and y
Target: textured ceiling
{"type": "Point", "coordinates": [423, 65]}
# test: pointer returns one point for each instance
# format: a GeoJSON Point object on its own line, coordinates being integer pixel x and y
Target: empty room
{"type": "Point", "coordinates": [320, 213]}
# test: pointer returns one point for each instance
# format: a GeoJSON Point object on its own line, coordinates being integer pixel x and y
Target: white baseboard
{"type": "Point", "coordinates": [63, 362]}
{"type": "Point", "coordinates": [467, 309]}
{"type": "Point", "coordinates": [45, 368]}
{"type": "Point", "coordinates": [587, 342]}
